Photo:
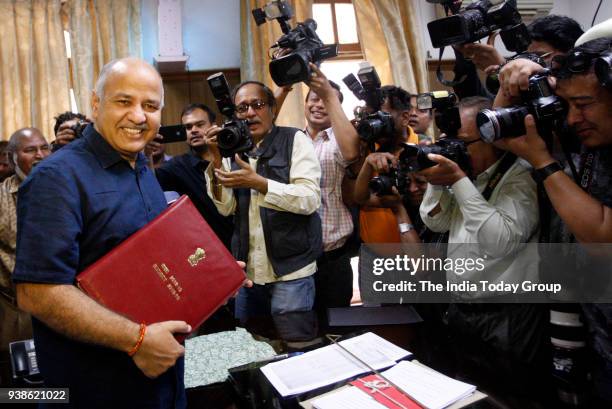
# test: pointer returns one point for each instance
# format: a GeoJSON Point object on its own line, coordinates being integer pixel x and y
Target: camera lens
{"type": "Point", "coordinates": [501, 123]}
{"type": "Point", "coordinates": [381, 185]}
{"type": "Point", "coordinates": [290, 69]}
{"type": "Point", "coordinates": [370, 129]}
{"type": "Point", "coordinates": [228, 138]}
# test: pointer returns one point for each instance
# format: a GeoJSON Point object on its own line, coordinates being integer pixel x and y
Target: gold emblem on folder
{"type": "Point", "coordinates": [196, 257]}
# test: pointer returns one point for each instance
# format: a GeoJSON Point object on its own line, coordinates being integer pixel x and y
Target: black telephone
{"type": "Point", "coordinates": [24, 363]}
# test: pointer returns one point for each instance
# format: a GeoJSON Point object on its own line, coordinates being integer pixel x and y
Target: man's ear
{"type": "Point", "coordinates": [405, 119]}
{"type": "Point", "coordinates": [95, 104]}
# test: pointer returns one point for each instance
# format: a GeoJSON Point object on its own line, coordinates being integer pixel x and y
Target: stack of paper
{"type": "Point", "coordinates": [432, 389]}
{"type": "Point", "coordinates": [331, 364]}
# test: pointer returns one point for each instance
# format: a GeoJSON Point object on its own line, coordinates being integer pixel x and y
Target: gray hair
{"type": "Point", "coordinates": [108, 68]}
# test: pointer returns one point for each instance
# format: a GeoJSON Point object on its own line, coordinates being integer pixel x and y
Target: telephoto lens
{"type": "Point", "coordinates": [501, 123]}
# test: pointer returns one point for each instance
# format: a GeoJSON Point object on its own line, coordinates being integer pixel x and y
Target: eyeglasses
{"type": "Point", "coordinates": [256, 105]}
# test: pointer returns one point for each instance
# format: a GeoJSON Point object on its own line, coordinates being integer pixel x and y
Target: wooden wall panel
{"type": "Point", "coordinates": [182, 89]}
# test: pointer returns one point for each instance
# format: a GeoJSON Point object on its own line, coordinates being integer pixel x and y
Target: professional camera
{"type": "Point", "coordinates": [303, 40]}
{"type": "Point", "coordinates": [446, 112]}
{"type": "Point", "coordinates": [548, 110]}
{"type": "Point", "coordinates": [414, 158]}
{"type": "Point", "coordinates": [235, 136]}
{"type": "Point", "coordinates": [78, 128]}
{"type": "Point", "coordinates": [383, 184]}
{"type": "Point", "coordinates": [477, 21]}
{"type": "Point", "coordinates": [492, 80]}
{"type": "Point", "coordinates": [372, 123]}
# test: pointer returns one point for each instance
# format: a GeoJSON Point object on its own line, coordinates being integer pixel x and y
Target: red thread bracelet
{"type": "Point", "coordinates": [141, 335]}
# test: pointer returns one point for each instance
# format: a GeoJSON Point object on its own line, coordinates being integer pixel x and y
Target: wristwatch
{"type": "Point", "coordinates": [405, 227]}
{"type": "Point", "coordinates": [539, 175]}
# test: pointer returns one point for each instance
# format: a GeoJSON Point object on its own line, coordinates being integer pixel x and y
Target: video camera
{"type": "Point", "coordinates": [235, 136]}
{"type": "Point", "coordinates": [303, 40]}
{"type": "Point", "coordinates": [478, 20]}
{"type": "Point", "coordinates": [372, 123]}
{"type": "Point", "coordinates": [539, 100]}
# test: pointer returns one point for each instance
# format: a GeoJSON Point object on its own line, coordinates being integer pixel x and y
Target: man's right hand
{"type": "Point", "coordinates": [64, 137]}
{"type": "Point", "coordinates": [483, 55]}
{"type": "Point", "coordinates": [379, 161]}
{"type": "Point", "coordinates": [160, 350]}
{"type": "Point", "coordinates": [210, 139]}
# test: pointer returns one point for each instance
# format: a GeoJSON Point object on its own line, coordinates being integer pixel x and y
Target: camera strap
{"type": "Point", "coordinates": [587, 163]}
{"type": "Point", "coordinates": [506, 162]}
{"type": "Point", "coordinates": [440, 76]}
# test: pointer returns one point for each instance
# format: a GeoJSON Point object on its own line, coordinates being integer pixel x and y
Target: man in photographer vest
{"type": "Point", "coordinates": [274, 193]}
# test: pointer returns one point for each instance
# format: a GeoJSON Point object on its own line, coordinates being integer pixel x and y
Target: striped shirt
{"type": "Point", "coordinates": [335, 216]}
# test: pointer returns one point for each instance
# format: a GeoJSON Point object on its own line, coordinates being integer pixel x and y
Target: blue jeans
{"type": "Point", "coordinates": [275, 298]}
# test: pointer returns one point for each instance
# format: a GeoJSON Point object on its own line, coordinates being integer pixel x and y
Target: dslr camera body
{"type": "Point", "coordinates": [235, 136]}
{"type": "Point", "coordinates": [303, 40]}
{"type": "Point", "coordinates": [372, 123]}
{"type": "Point", "coordinates": [478, 20]}
{"type": "Point", "coordinates": [414, 158]}
{"type": "Point", "coordinates": [548, 110]}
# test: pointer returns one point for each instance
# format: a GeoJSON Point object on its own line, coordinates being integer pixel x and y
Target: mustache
{"type": "Point", "coordinates": [253, 122]}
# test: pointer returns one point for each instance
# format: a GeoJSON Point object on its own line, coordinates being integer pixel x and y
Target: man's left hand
{"type": "Point", "coordinates": [244, 177]}
{"type": "Point", "coordinates": [445, 173]}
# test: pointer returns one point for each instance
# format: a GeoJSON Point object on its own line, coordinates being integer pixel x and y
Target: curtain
{"type": "Point", "coordinates": [397, 51]}
{"type": "Point", "coordinates": [101, 30]}
{"type": "Point", "coordinates": [255, 58]}
{"type": "Point", "coordinates": [33, 66]}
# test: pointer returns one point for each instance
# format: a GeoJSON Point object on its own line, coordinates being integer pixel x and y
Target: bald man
{"type": "Point", "coordinates": [25, 149]}
{"type": "Point", "coordinates": [81, 203]}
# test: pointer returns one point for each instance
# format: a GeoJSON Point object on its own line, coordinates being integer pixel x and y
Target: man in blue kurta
{"type": "Point", "coordinates": [73, 209]}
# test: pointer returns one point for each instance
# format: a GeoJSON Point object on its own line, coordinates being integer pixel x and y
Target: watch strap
{"type": "Point", "coordinates": [539, 175]}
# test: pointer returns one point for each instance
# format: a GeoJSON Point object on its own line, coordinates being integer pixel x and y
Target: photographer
{"type": "Point", "coordinates": [382, 217]}
{"type": "Point", "coordinates": [492, 205]}
{"type": "Point", "coordinates": [184, 174]}
{"type": "Point", "coordinates": [420, 121]}
{"type": "Point", "coordinates": [550, 36]}
{"type": "Point", "coordinates": [274, 193]}
{"type": "Point", "coordinates": [584, 208]}
{"type": "Point", "coordinates": [68, 126]}
{"type": "Point", "coordinates": [336, 145]}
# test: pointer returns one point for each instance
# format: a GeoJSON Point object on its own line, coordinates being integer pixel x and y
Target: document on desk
{"type": "Point", "coordinates": [348, 398]}
{"type": "Point", "coordinates": [331, 364]}
{"type": "Point", "coordinates": [433, 389]}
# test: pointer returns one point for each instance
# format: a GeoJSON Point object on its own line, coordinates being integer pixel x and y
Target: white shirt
{"type": "Point", "coordinates": [302, 195]}
{"type": "Point", "coordinates": [500, 225]}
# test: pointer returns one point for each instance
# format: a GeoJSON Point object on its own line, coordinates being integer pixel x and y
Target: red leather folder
{"type": "Point", "coordinates": [174, 268]}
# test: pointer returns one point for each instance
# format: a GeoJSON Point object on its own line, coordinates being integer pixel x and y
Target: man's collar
{"type": "Point", "coordinates": [13, 182]}
{"type": "Point", "coordinates": [490, 170]}
{"type": "Point", "coordinates": [106, 155]}
{"type": "Point", "coordinates": [325, 133]}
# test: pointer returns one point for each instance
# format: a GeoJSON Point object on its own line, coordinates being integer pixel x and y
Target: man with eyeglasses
{"type": "Point", "coordinates": [491, 206]}
{"type": "Point", "coordinates": [581, 205]}
{"type": "Point", "coordinates": [184, 174]}
{"type": "Point", "coordinates": [550, 36]}
{"type": "Point", "coordinates": [274, 193]}
{"type": "Point", "coordinates": [26, 148]}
